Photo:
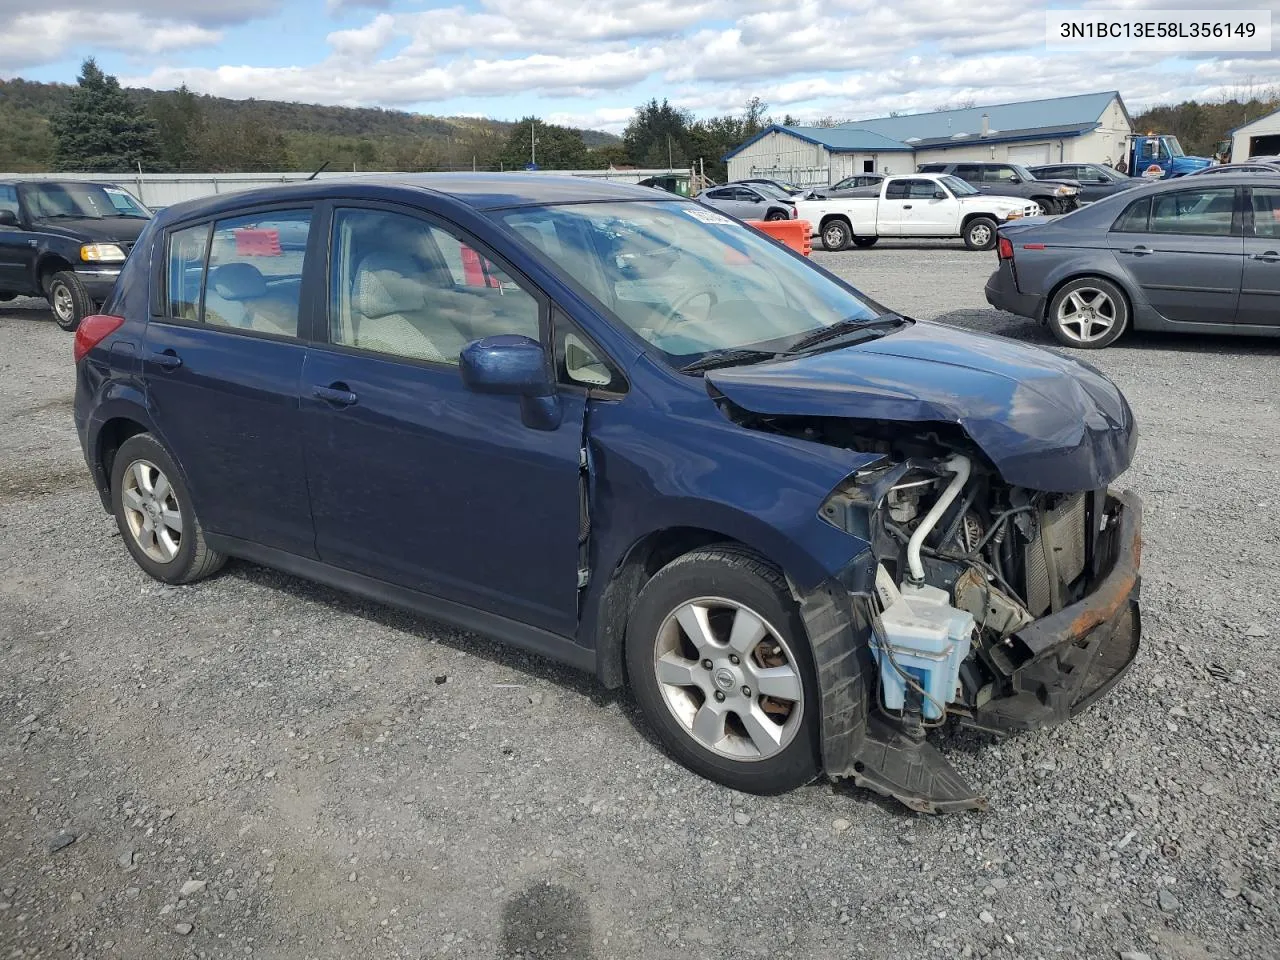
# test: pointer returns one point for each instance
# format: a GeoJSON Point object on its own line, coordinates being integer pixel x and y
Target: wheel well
{"type": "Point", "coordinates": [48, 267]}
{"type": "Point", "coordinates": [110, 438]}
{"type": "Point", "coordinates": [773, 210]}
{"type": "Point", "coordinates": [644, 559]}
{"type": "Point", "coordinates": [964, 224]}
{"type": "Point", "coordinates": [822, 225]}
{"type": "Point", "coordinates": [1128, 301]}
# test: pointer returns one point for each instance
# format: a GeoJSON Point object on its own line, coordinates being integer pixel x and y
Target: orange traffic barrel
{"type": "Point", "coordinates": [794, 233]}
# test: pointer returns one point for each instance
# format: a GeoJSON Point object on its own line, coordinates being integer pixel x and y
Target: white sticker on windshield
{"type": "Point", "coordinates": [706, 216]}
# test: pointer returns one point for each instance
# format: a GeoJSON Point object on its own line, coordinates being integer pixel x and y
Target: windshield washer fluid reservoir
{"type": "Point", "coordinates": [920, 634]}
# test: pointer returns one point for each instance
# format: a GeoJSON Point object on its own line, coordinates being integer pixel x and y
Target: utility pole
{"type": "Point", "coordinates": [668, 151]}
{"type": "Point", "coordinates": [533, 141]}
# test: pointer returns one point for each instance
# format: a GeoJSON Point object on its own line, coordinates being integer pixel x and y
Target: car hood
{"type": "Point", "coordinates": [1058, 181]}
{"type": "Point", "coordinates": [1045, 421]}
{"type": "Point", "coordinates": [94, 230]}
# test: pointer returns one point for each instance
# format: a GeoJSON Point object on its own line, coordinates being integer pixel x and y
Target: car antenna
{"type": "Point", "coordinates": [320, 171]}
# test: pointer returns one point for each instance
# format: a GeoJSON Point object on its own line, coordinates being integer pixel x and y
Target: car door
{"type": "Point", "coordinates": [415, 479]}
{"type": "Point", "coordinates": [749, 204]}
{"type": "Point", "coordinates": [924, 214]}
{"type": "Point", "coordinates": [1185, 250]}
{"type": "Point", "coordinates": [222, 361]}
{"type": "Point", "coordinates": [17, 245]}
{"type": "Point", "coordinates": [1260, 284]}
{"type": "Point", "coordinates": [891, 210]}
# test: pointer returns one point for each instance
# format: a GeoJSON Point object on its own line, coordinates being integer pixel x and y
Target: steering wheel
{"type": "Point", "coordinates": [673, 313]}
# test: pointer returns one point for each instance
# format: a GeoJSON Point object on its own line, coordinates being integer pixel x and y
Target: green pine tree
{"type": "Point", "coordinates": [101, 130]}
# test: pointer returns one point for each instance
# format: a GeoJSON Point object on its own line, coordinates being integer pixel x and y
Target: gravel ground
{"type": "Point", "coordinates": [257, 766]}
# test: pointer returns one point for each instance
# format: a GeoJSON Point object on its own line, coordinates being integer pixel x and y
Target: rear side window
{"type": "Point", "coordinates": [243, 273]}
{"type": "Point", "coordinates": [968, 171]}
{"type": "Point", "coordinates": [1204, 213]}
{"type": "Point", "coordinates": [1134, 219]}
{"type": "Point", "coordinates": [1266, 212]}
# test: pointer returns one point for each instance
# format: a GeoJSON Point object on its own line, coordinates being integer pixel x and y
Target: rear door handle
{"type": "Point", "coordinates": [167, 360]}
{"type": "Point", "coordinates": [336, 394]}
{"type": "Point", "coordinates": [1270, 256]}
{"type": "Point", "coordinates": [1140, 251]}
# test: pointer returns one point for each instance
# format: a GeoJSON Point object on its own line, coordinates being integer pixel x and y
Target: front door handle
{"type": "Point", "coordinates": [906, 206]}
{"type": "Point", "coordinates": [1270, 256]}
{"type": "Point", "coordinates": [336, 394]}
{"type": "Point", "coordinates": [166, 360]}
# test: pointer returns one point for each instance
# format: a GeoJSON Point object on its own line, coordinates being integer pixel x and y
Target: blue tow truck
{"type": "Point", "coordinates": [1158, 156]}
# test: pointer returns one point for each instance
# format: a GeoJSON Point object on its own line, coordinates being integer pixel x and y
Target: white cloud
{"type": "Point", "coordinates": [33, 38]}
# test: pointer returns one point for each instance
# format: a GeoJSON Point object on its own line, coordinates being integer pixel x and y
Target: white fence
{"type": "Point", "coordinates": [165, 189]}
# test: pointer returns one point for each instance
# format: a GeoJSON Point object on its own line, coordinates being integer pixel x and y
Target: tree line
{"type": "Point", "coordinates": [98, 126]}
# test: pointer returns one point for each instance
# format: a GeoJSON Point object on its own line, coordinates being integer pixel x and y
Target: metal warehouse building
{"type": "Point", "coordinates": [1261, 138]}
{"type": "Point", "coordinates": [1088, 128]}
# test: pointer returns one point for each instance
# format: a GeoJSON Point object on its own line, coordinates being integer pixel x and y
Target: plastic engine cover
{"type": "Point", "coordinates": [922, 635]}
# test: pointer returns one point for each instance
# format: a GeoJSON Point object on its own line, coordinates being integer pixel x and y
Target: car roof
{"type": "Point", "coordinates": [482, 191]}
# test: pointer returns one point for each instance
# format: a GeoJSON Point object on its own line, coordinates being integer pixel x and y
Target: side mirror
{"type": "Point", "coordinates": [514, 366]}
{"type": "Point", "coordinates": [8, 218]}
{"type": "Point", "coordinates": [939, 195]}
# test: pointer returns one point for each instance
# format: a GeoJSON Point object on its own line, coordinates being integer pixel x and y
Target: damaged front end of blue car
{"type": "Point", "coordinates": [998, 587]}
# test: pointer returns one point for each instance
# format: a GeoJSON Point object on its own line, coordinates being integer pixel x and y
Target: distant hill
{"type": "Point", "coordinates": [347, 137]}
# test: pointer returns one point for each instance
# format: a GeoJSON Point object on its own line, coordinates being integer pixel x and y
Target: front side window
{"type": "Point", "coordinates": [1206, 213]}
{"type": "Point", "coordinates": [1266, 211]}
{"type": "Point", "coordinates": [408, 288]}
{"type": "Point", "coordinates": [922, 190]}
{"type": "Point", "coordinates": [685, 279]}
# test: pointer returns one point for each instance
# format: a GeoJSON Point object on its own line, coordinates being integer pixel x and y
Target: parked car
{"type": "Point", "coordinates": [65, 241]}
{"type": "Point", "coordinates": [1249, 166]}
{"type": "Point", "coordinates": [750, 201]}
{"type": "Point", "coordinates": [637, 437]}
{"type": "Point", "coordinates": [1096, 180]}
{"type": "Point", "coordinates": [848, 187]}
{"type": "Point", "coordinates": [919, 205]}
{"type": "Point", "coordinates": [1195, 254]}
{"type": "Point", "coordinates": [1012, 180]}
{"type": "Point", "coordinates": [677, 183]}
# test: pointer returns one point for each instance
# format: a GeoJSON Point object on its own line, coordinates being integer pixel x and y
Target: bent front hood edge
{"type": "Point", "coordinates": [1045, 421]}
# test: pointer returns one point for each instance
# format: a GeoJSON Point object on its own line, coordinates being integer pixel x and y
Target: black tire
{"type": "Point", "coordinates": [1108, 302]}
{"type": "Point", "coordinates": [980, 233]}
{"type": "Point", "coordinates": [741, 577]}
{"type": "Point", "coordinates": [68, 299]}
{"type": "Point", "coordinates": [865, 242]}
{"type": "Point", "coordinates": [6, 297]}
{"type": "Point", "coordinates": [836, 234]}
{"type": "Point", "coordinates": [1048, 207]}
{"type": "Point", "coordinates": [194, 559]}
{"type": "Point", "coordinates": [776, 214]}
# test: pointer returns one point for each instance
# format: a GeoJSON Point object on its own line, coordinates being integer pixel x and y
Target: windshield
{"type": "Point", "coordinates": [81, 201]}
{"type": "Point", "coordinates": [958, 186]}
{"type": "Point", "coordinates": [771, 190]}
{"type": "Point", "coordinates": [1022, 172]}
{"type": "Point", "coordinates": [1108, 174]}
{"type": "Point", "coordinates": [686, 279]}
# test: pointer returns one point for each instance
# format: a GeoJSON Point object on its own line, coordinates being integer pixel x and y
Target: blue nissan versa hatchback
{"type": "Point", "coordinates": [625, 431]}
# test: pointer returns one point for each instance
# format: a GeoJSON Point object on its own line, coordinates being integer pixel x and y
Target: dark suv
{"type": "Point", "coordinates": [1012, 180]}
{"type": "Point", "coordinates": [623, 430]}
{"type": "Point", "coordinates": [65, 241]}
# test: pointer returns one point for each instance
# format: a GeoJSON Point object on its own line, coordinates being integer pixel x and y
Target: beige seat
{"type": "Point", "coordinates": [390, 311]}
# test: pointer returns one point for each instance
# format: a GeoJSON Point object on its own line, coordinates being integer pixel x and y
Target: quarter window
{"type": "Point", "coordinates": [187, 251]}
{"type": "Point", "coordinates": [1266, 212]}
{"type": "Point", "coordinates": [404, 287]}
{"type": "Point", "coordinates": [1134, 219]}
{"type": "Point", "coordinates": [1206, 213]}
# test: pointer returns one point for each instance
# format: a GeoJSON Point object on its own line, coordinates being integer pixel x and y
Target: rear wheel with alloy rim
{"type": "Point", "coordinates": [1089, 313]}
{"type": "Point", "coordinates": [719, 663]}
{"type": "Point", "coordinates": [836, 235]}
{"type": "Point", "coordinates": [153, 510]}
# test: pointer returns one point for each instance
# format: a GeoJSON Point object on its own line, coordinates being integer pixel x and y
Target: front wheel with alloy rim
{"type": "Point", "coordinates": [1089, 313]}
{"type": "Point", "coordinates": [980, 233]}
{"type": "Point", "coordinates": [836, 235]}
{"type": "Point", "coordinates": [69, 300]}
{"type": "Point", "coordinates": [153, 510]}
{"type": "Point", "coordinates": [719, 662]}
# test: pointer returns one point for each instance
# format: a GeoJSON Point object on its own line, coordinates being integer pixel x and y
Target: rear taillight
{"type": "Point", "coordinates": [92, 331]}
{"type": "Point", "coordinates": [1004, 249]}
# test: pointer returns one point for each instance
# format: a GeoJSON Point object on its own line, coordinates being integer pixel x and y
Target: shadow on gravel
{"type": "Point", "coordinates": [584, 684]}
{"type": "Point", "coordinates": [547, 920]}
{"type": "Point", "coordinates": [26, 482]}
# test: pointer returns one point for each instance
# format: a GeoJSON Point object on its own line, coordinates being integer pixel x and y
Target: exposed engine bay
{"type": "Point", "coordinates": [990, 605]}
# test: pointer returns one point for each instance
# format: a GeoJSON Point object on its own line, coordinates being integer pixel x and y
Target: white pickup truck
{"type": "Point", "coordinates": [913, 205]}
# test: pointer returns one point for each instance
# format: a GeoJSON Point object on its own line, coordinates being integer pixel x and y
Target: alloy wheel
{"type": "Point", "coordinates": [151, 510]}
{"type": "Point", "coordinates": [729, 679]}
{"type": "Point", "coordinates": [980, 235]}
{"type": "Point", "coordinates": [1087, 314]}
{"type": "Point", "coordinates": [64, 307]}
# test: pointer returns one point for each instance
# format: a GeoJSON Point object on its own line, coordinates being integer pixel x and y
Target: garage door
{"type": "Point", "coordinates": [1031, 155]}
